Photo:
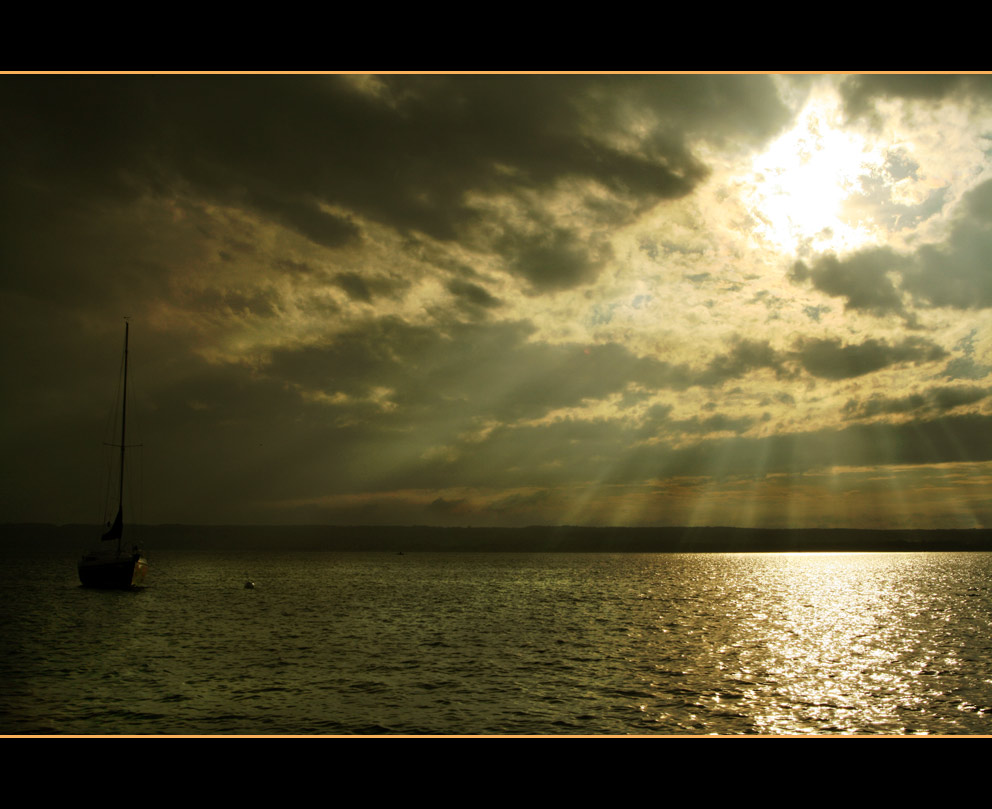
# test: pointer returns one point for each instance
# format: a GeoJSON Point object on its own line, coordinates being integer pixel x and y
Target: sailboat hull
{"type": "Point", "coordinates": [114, 573]}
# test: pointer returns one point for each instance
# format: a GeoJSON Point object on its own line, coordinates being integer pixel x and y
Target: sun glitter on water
{"type": "Point", "coordinates": [798, 186]}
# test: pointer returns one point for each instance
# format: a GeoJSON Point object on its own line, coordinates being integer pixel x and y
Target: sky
{"type": "Point", "coordinates": [741, 300]}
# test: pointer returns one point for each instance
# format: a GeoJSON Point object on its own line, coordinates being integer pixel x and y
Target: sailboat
{"type": "Point", "coordinates": [110, 568]}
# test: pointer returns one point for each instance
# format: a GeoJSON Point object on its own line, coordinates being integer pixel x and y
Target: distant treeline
{"type": "Point", "coordinates": [539, 538]}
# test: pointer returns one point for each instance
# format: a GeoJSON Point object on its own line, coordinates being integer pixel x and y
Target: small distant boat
{"type": "Point", "coordinates": [109, 568]}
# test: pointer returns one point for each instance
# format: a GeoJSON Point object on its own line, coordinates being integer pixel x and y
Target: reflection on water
{"type": "Point", "coordinates": [842, 643]}
{"type": "Point", "coordinates": [505, 643]}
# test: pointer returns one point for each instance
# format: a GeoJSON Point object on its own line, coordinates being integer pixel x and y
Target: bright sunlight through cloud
{"type": "Point", "coordinates": [800, 183]}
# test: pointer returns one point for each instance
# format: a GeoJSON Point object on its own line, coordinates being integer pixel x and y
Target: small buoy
{"type": "Point", "coordinates": [249, 585]}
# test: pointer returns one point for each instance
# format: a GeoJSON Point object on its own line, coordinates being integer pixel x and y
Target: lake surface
{"type": "Point", "coordinates": [490, 643]}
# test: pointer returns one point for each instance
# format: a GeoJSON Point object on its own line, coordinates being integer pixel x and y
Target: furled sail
{"type": "Point", "coordinates": [117, 529]}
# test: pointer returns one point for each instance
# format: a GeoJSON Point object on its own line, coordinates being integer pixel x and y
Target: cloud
{"type": "Point", "coordinates": [366, 287]}
{"type": "Point", "coordinates": [925, 441]}
{"type": "Point", "coordinates": [830, 359]}
{"type": "Point", "coordinates": [307, 218]}
{"type": "Point", "coordinates": [965, 366]}
{"type": "Point", "coordinates": [467, 373]}
{"type": "Point", "coordinates": [861, 92]}
{"type": "Point", "coordinates": [744, 357]}
{"type": "Point", "coordinates": [953, 273]}
{"type": "Point", "coordinates": [613, 453]}
{"type": "Point", "coordinates": [814, 313]}
{"type": "Point", "coordinates": [418, 154]}
{"type": "Point", "coordinates": [718, 423]}
{"type": "Point", "coordinates": [442, 506]}
{"type": "Point", "coordinates": [956, 273]}
{"type": "Point", "coordinates": [519, 501]}
{"type": "Point", "coordinates": [718, 108]}
{"type": "Point", "coordinates": [863, 279]}
{"type": "Point", "coordinates": [556, 259]}
{"type": "Point", "coordinates": [879, 201]}
{"type": "Point", "coordinates": [256, 302]}
{"type": "Point", "coordinates": [473, 296]}
{"type": "Point", "coordinates": [937, 400]}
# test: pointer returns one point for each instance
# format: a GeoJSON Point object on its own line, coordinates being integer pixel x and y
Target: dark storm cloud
{"type": "Point", "coordinates": [472, 295]}
{"type": "Point", "coordinates": [354, 285]}
{"type": "Point", "coordinates": [830, 359]}
{"type": "Point", "coordinates": [934, 401]}
{"type": "Point", "coordinates": [306, 218]}
{"type": "Point", "coordinates": [655, 418]}
{"type": "Point", "coordinates": [744, 357]}
{"type": "Point", "coordinates": [407, 154]}
{"type": "Point", "coordinates": [956, 272]}
{"type": "Point", "coordinates": [257, 302]}
{"type": "Point", "coordinates": [735, 107]}
{"type": "Point", "coordinates": [73, 136]}
{"type": "Point", "coordinates": [824, 358]}
{"type": "Point", "coordinates": [555, 259]}
{"type": "Point", "coordinates": [657, 422]}
{"type": "Point", "coordinates": [532, 125]}
{"type": "Point", "coordinates": [861, 92]}
{"type": "Point", "coordinates": [947, 398]}
{"type": "Point", "coordinates": [364, 288]}
{"type": "Point", "coordinates": [879, 405]}
{"type": "Point", "coordinates": [468, 371]}
{"type": "Point", "coordinates": [862, 280]}
{"type": "Point", "coordinates": [718, 423]}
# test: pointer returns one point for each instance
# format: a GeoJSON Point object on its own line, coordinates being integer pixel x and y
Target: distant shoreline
{"type": "Point", "coordinates": [541, 539]}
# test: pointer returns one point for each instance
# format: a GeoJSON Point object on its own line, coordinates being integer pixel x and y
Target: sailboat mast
{"type": "Point", "coordinates": [120, 499]}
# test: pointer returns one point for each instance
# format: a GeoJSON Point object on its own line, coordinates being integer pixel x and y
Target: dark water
{"type": "Point", "coordinates": [350, 643]}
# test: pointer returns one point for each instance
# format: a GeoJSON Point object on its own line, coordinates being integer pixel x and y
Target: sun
{"type": "Point", "coordinates": [796, 189]}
